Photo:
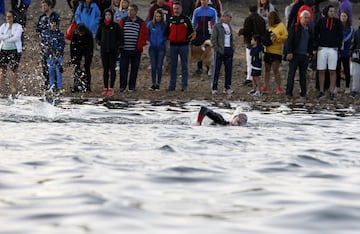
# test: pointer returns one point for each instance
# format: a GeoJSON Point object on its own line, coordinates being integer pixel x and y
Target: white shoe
{"type": "Point", "coordinates": [347, 91]}
{"type": "Point", "coordinates": [228, 91]}
{"type": "Point", "coordinates": [257, 94]}
{"type": "Point", "coordinates": [214, 91]}
{"type": "Point", "coordinates": [336, 90]}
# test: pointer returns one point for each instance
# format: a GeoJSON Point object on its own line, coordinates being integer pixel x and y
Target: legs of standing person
{"type": "Point", "coordinates": [303, 65]}
{"type": "Point", "coordinates": [338, 73]}
{"type": "Point", "coordinates": [51, 70]}
{"type": "Point", "coordinates": [173, 71]}
{"type": "Point", "coordinates": [2, 80]}
{"type": "Point", "coordinates": [267, 76]}
{"type": "Point", "coordinates": [184, 55]}
{"type": "Point", "coordinates": [275, 68]}
{"type": "Point", "coordinates": [87, 66]}
{"type": "Point", "coordinates": [154, 57]}
{"type": "Point", "coordinates": [218, 59]}
{"type": "Point", "coordinates": [327, 58]}
{"type": "Point", "coordinates": [59, 78]}
{"type": "Point", "coordinates": [45, 71]}
{"type": "Point", "coordinates": [160, 63]}
{"type": "Point", "coordinates": [124, 69]}
{"type": "Point", "coordinates": [248, 64]}
{"type": "Point", "coordinates": [112, 66]}
{"type": "Point", "coordinates": [228, 63]}
{"type": "Point", "coordinates": [293, 64]}
{"type": "Point", "coordinates": [346, 66]}
{"type": "Point", "coordinates": [356, 78]}
{"type": "Point", "coordinates": [106, 66]}
{"type": "Point", "coordinates": [135, 64]}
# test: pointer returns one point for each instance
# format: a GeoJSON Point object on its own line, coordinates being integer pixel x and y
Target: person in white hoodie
{"type": "Point", "coordinates": [10, 50]}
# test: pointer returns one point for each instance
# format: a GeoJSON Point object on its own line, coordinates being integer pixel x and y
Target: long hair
{"type": "Point", "coordinates": [273, 18]}
{"type": "Point", "coordinates": [121, 4]}
{"type": "Point", "coordinates": [162, 22]}
{"type": "Point", "coordinates": [265, 6]}
{"type": "Point", "coordinates": [346, 24]}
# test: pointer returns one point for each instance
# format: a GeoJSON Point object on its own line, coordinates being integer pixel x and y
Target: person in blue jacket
{"type": "Point", "coordinates": [54, 45]}
{"type": "Point", "coordinates": [157, 48]}
{"type": "Point", "coordinates": [89, 14]}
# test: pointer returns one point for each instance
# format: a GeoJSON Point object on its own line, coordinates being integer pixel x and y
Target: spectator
{"type": "Point", "coordinates": [157, 48]}
{"type": "Point", "coordinates": [120, 9]}
{"type": "Point", "coordinates": [216, 4]}
{"type": "Point", "coordinates": [254, 24]}
{"type": "Point", "coordinates": [264, 8]}
{"type": "Point", "coordinates": [89, 14]}
{"type": "Point", "coordinates": [42, 26]}
{"type": "Point", "coordinates": [223, 43]}
{"type": "Point", "coordinates": [82, 46]}
{"type": "Point", "coordinates": [328, 40]}
{"type": "Point", "coordinates": [344, 55]}
{"type": "Point", "coordinates": [167, 12]}
{"type": "Point", "coordinates": [135, 37]}
{"type": "Point", "coordinates": [299, 48]}
{"type": "Point", "coordinates": [273, 53]}
{"type": "Point", "coordinates": [256, 64]}
{"type": "Point", "coordinates": [188, 7]}
{"type": "Point", "coordinates": [54, 46]}
{"type": "Point", "coordinates": [355, 49]}
{"type": "Point", "coordinates": [345, 6]}
{"type": "Point", "coordinates": [2, 11]}
{"type": "Point", "coordinates": [73, 4]}
{"type": "Point", "coordinates": [10, 51]}
{"type": "Point", "coordinates": [204, 19]}
{"type": "Point", "coordinates": [110, 39]}
{"type": "Point", "coordinates": [20, 8]}
{"type": "Point", "coordinates": [180, 32]}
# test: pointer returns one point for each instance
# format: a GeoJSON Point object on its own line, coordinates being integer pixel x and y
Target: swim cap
{"type": "Point", "coordinates": [239, 120]}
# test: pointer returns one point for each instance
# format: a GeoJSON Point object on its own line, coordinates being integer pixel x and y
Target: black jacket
{"type": "Point", "coordinates": [81, 46]}
{"type": "Point", "coordinates": [294, 39]}
{"type": "Point", "coordinates": [110, 37]}
{"type": "Point", "coordinates": [328, 33]}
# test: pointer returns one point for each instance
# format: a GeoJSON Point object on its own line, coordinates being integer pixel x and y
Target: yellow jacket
{"type": "Point", "coordinates": [281, 36]}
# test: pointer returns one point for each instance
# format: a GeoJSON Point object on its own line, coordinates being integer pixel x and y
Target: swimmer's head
{"type": "Point", "coordinates": [239, 120]}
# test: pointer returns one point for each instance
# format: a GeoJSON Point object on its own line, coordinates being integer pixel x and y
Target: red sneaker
{"type": "Point", "coordinates": [279, 91]}
{"type": "Point", "coordinates": [110, 92]}
{"type": "Point", "coordinates": [264, 89]}
{"type": "Point", "coordinates": [104, 92]}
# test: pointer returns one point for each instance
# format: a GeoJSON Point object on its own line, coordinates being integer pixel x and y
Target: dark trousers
{"type": "Point", "coordinates": [108, 60]}
{"type": "Point", "coordinates": [87, 67]}
{"type": "Point", "coordinates": [227, 59]}
{"type": "Point", "coordinates": [129, 58]}
{"type": "Point", "coordinates": [301, 62]}
{"type": "Point", "coordinates": [346, 65]}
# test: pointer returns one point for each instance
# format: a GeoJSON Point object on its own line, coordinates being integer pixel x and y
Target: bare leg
{"type": "Point", "coordinates": [2, 81]}
{"type": "Point", "coordinates": [275, 68]}
{"type": "Point", "coordinates": [267, 75]}
{"type": "Point", "coordinates": [332, 80]}
{"type": "Point", "coordinates": [321, 80]}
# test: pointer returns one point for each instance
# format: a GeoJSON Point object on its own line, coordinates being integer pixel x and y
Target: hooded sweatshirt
{"type": "Point", "coordinates": [345, 5]}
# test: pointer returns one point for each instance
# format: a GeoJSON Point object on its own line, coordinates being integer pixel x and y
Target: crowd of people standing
{"type": "Point", "coordinates": [311, 36]}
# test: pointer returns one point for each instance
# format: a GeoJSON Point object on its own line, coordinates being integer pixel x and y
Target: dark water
{"type": "Point", "coordinates": [143, 167]}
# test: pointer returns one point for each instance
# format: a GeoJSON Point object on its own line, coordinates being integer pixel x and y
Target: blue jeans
{"type": "Point", "coordinates": [301, 62]}
{"type": "Point", "coordinates": [157, 60]}
{"type": "Point", "coordinates": [175, 51]}
{"type": "Point", "coordinates": [127, 58]}
{"type": "Point", "coordinates": [227, 59]}
{"type": "Point", "coordinates": [53, 64]}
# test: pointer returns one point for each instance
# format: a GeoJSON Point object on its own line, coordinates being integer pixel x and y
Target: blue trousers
{"type": "Point", "coordinates": [156, 60]}
{"type": "Point", "coordinates": [175, 52]}
{"type": "Point", "coordinates": [53, 64]}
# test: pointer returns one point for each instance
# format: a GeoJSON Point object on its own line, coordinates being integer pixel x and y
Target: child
{"type": "Point", "coordinates": [157, 48]}
{"type": "Point", "coordinates": [55, 43]}
{"type": "Point", "coordinates": [256, 64]}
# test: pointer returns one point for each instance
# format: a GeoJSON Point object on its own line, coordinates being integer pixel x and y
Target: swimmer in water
{"type": "Point", "coordinates": [237, 120]}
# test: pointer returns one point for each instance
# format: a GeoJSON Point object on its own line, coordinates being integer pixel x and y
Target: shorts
{"type": "Point", "coordinates": [270, 58]}
{"type": "Point", "coordinates": [9, 59]}
{"type": "Point", "coordinates": [327, 58]}
{"type": "Point", "coordinates": [255, 72]}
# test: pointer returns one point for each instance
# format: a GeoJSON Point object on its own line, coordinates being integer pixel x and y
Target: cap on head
{"type": "Point", "coordinates": [239, 120]}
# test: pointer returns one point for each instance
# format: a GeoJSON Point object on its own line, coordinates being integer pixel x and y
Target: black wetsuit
{"type": "Point", "coordinates": [214, 116]}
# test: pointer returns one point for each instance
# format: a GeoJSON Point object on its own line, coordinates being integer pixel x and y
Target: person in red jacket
{"type": "Point", "coordinates": [180, 31]}
{"type": "Point", "coordinates": [135, 37]}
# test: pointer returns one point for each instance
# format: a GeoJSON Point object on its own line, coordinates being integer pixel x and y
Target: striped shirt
{"type": "Point", "coordinates": [131, 35]}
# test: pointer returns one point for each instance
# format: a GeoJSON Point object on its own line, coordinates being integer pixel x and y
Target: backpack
{"type": "Point", "coordinates": [266, 40]}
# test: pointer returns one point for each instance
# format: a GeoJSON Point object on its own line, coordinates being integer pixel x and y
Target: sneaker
{"type": "Point", "coordinates": [170, 89]}
{"type": "Point", "coordinates": [264, 89]}
{"type": "Point", "coordinates": [336, 90]}
{"type": "Point", "coordinates": [228, 91]}
{"type": "Point", "coordinates": [117, 68]}
{"type": "Point", "coordinates": [131, 90]}
{"type": "Point", "coordinates": [320, 95]}
{"type": "Point", "coordinates": [257, 94]}
{"type": "Point", "coordinates": [214, 91]}
{"type": "Point", "coordinates": [157, 87]}
{"type": "Point", "coordinates": [347, 91]}
{"type": "Point", "coordinates": [61, 91]}
{"type": "Point", "coordinates": [183, 89]}
{"type": "Point", "coordinates": [279, 91]}
{"type": "Point", "coordinates": [152, 87]}
{"type": "Point", "coordinates": [252, 91]}
{"type": "Point", "coordinates": [122, 90]}
{"type": "Point", "coordinates": [110, 92]}
{"type": "Point", "coordinates": [332, 96]}
{"type": "Point", "coordinates": [353, 94]}
{"type": "Point", "coordinates": [104, 92]}
{"type": "Point", "coordinates": [198, 71]}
